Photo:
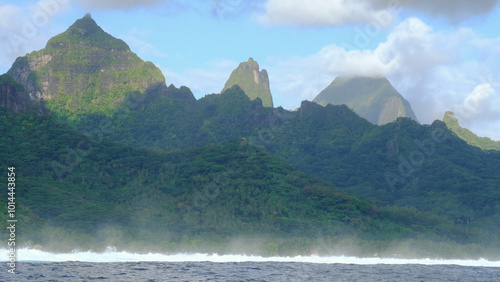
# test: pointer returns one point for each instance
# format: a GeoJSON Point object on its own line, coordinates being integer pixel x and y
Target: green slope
{"type": "Point", "coordinates": [331, 142]}
{"type": "Point", "coordinates": [372, 98]}
{"type": "Point", "coordinates": [171, 118]}
{"type": "Point", "coordinates": [468, 136]}
{"type": "Point", "coordinates": [400, 163]}
{"type": "Point", "coordinates": [335, 144]}
{"type": "Point", "coordinates": [79, 192]}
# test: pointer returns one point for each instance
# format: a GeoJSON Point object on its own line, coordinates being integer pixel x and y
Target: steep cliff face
{"type": "Point", "coordinates": [84, 70]}
{"type": "Point", "coordinates": [12, 96]}
{"type": "Point", "coordinates": [371, 98]}
{"type": "Point", "coordinates": [253, 81]}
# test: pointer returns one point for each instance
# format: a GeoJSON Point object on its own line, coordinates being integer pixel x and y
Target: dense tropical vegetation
{"type": "Point", "coordinates": [132, 163]}
{"type": "Point", "coordinates": [75, 191]}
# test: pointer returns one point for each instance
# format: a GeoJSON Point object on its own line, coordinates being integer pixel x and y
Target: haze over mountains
{"type": "Point", "coordinates": [118, 158]}
{"type": "Point", "coordinates": [372, 98]}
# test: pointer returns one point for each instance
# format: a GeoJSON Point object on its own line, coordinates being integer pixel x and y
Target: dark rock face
{"type": "Point", "coordinates": [12, 96]}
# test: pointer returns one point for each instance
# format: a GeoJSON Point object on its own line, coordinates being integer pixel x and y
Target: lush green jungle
{"type": "Point", "coordinates": [152, 168]}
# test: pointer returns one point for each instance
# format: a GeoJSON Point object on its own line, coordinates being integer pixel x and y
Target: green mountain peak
{"type": "Point", "coordinates": [373, 98]}
{"type": "Point", "coordinates": [84, 70]}
{"type": "Point", "coordinates": [253, 81]}
{"type": "Point", "coordinates": [85, 31]}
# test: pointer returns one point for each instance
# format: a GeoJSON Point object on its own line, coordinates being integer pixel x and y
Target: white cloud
{"type": "Point", "coordinates": [23, 28]}
{"type": "Point", "coordinates": [476, 103]}
{"type": "Point", "coordinates": [411, 48]}
{"type": "Point", "coordinates": [435, 71]}
{"type": "Point", "coordinates": [409, 51]}
{"type": "Point", "coordinates": [480, 110]}
{"type": "Point", "coordinates": [322, 12]}
{"type": "Point", "coordinates": [377, 12]}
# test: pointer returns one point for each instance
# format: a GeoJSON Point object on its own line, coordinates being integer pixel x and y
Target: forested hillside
{"type": "Point", "coordinates": [81, 192]}
{"type": "Point", "coordinates": [108, 155]}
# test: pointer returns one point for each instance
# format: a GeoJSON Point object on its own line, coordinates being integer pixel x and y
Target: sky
{"type": "Point", "coordinates": [441, 55]}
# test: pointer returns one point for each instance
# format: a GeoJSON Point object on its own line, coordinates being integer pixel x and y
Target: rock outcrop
{"type": "Point", "coordinates": [468, 136]}
{"type": "Point", "coordinates": [253, 81]}
{"type": "Point", "coordinates": [12, 95]}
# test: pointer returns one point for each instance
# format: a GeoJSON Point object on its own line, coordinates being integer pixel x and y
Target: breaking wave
{"type": "Point", "coordinates": [112, 255]}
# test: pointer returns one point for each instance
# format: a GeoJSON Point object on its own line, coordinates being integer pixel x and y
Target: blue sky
{"type": "Point", "coordinates": [440, 55]}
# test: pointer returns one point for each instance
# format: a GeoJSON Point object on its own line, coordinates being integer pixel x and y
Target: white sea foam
{"type": "Point", "coordinates": [111, 255]}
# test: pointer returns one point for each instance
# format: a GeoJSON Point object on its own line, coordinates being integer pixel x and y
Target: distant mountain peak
{"type": "Point", "coordinates": [253, 81]}
{"type": "Point", "coordinates": [373, 98]}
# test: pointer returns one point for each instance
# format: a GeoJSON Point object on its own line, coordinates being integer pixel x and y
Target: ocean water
{"type": "Point", "coordinates": [36, 265]}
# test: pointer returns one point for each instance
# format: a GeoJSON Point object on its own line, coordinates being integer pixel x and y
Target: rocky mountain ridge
{"type": "Point", "coordinates": [468, 136]}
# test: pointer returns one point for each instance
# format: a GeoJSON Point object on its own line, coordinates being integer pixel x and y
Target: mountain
{"type": "Point", "coordinates": [468, 136]}
{"type": "Point", "coordinates": [84, 70]}
{"type": "Point", "coordinates": [82, 192]}
{"type": "Point", "coordinates": [372, 98]}
{"type": "Point", "coordinates": [255, 83]}
{"type": "Point", "coordinates": [160, 170]}
{"type": "Point", "coordinates": [401, 163]}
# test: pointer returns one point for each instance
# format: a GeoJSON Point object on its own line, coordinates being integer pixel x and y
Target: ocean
{"type": "Point", "coordinates": [36, 265]}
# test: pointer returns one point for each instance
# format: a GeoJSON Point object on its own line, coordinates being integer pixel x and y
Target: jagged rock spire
{"type": "Point", "coordinates": [253, 81]}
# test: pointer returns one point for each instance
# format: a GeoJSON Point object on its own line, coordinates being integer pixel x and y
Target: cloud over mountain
{"type": "Point", "coordinates": [409, 51]}
{"type": "Point", "coordinates": [435, 70]}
